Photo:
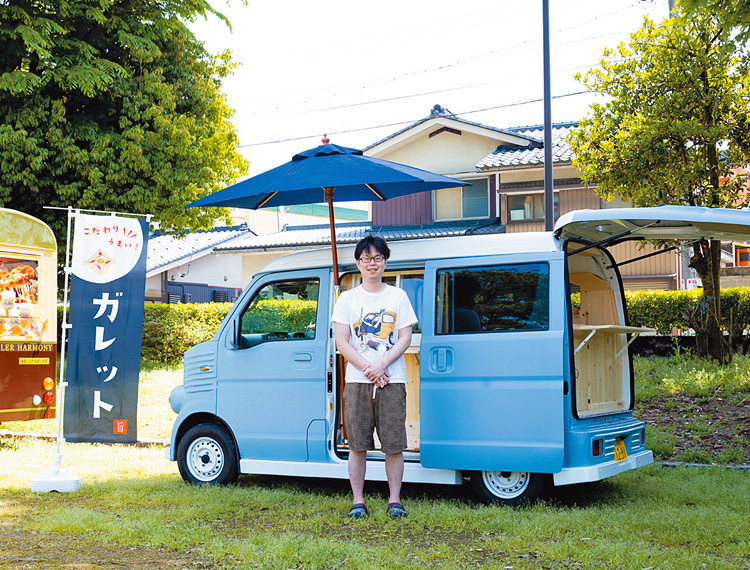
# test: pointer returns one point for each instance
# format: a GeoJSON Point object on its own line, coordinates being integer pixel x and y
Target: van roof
{"type": "Point", "coordinates": [424, 250]}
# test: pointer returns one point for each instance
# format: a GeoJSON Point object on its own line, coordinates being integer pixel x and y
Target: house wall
{"type": "Point", "coordinates": [536, 174]}
{"type": "Point", "coordinates": [154, 287]}
{"type": "Point", "coordinates": [218, 270]}
{"type": "Point", "coordinates": [445, 153]}
{"type": "Point", "coordinates": [404, 210]}
{"type": "Point", "coordinates": [263, 222]}
{"type": "Point", "coordinates": [214, 270]}
{"type": "Point", "coordinates": [656, 272]}
{"type": "Point", "coordinates": [256, 261]}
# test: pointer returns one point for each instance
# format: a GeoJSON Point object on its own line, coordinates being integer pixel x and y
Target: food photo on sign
{"type": "Point", "coordinates": [19, 289]}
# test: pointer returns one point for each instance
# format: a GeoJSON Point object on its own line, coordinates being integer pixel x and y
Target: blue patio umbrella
{"type": "Point", "coordinates": [328, 173]}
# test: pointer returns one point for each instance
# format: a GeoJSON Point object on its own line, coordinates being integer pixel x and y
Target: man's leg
{"type": "Point", "coordinates": [357, 466]}
{"type": "Point", "coordinates": [394, 469]}
{"type": "Point", "coordinates": [360, 423]}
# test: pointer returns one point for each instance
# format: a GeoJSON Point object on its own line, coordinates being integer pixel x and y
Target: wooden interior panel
{"type": "Point", "coordinates": [599, 372]}
{"type": "Point", "coordinates": [347, 282]}
{"type": "Point", "coordinates": [412, 401]}
{"type": "Point", "coordinates": [598, 305]}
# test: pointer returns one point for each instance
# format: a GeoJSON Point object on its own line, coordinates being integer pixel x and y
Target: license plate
{"type": "Point", "coordinates": [621, 454]}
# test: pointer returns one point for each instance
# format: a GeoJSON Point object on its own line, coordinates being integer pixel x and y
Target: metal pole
{"type": "Point", "coordinates": [57, 478]}
{"type": "Point", "coordinates": [63, 339]}
{"type": "Point", "coordinates": [549, 190]}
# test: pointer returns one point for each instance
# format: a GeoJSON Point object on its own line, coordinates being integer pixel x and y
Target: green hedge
{"type": "Point", "coordinates": [668, 310]}
{"type": "Point", "coordinates": [287, 315]}
{"type": "Point", "coordinates": [170, 330]}
{"type": "Point", "coordinates": [662, 310]}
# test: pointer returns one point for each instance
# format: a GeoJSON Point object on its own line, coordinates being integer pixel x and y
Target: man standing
{"type": "Point", "coordinates": [373, 329]}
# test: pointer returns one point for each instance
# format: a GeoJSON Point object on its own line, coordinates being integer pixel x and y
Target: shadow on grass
{"type": "Point", "coordinates": [570, 496]}
{"type": "Point", "coordinates": [340, 487]}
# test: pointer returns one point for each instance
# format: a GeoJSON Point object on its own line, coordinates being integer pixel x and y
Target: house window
{"type": "Point", "coordinates": [463, 203]}
{"type": "Point", "coordinates": [528, 207]}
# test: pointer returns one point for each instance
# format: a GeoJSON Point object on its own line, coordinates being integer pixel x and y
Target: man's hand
{"type": "Point", "coordinates": [375, 373]}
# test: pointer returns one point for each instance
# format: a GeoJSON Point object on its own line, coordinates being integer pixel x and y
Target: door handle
{"type": "Point", "coordinates": [441, 357]}
{"type": "Point", "coordinates": [302, 357]}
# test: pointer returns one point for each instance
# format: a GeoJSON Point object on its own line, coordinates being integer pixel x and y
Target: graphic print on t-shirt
{"type": "Point", "coordinates": [374, 331]}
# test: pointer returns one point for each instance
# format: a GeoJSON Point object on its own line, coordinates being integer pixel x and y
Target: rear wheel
{"type": "Point", "coordinates": [507, 487]}
{"type": "Point", "coordinates": [207, 456]}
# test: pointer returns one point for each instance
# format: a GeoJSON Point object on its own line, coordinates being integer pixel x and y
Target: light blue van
{"type": "Point", "coordinates": [509, 384]}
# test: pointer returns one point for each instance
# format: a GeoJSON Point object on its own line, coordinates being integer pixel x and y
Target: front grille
{"type": "Point", "coordinates": [199, 373]}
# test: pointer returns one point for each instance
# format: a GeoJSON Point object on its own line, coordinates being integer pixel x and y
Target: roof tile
{"type": "Point", "coordinates": [505, 156]}
{"type": "Point", "coordinates": [320, 235]}
{"type": "Point", "coordinates": [164, 249]}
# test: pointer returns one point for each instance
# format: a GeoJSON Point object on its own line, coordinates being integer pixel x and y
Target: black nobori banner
{"type": "Point", "coordinates": [107, 291]}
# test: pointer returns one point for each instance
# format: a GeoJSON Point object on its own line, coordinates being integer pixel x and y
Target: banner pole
{"type": "Point", "coordinates": [57, 478]}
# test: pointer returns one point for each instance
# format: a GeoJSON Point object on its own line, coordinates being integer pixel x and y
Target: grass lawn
{"type": "Point", "coordinates": [134, 511]}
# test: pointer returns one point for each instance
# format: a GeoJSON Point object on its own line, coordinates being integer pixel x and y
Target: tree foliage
{"type": "Point", "coordinates": [674, 130]}
{"type": "Point", "coordinates": [735, 13]}
{"type": "Point", "coordinates": [112, 105]}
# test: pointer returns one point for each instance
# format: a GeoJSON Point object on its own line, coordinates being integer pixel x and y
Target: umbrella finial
{"type": "Point", "coordinates": [325, 139]}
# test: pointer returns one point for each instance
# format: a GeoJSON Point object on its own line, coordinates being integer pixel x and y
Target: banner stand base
{"type": "Point", "coordinates": [56, 479]}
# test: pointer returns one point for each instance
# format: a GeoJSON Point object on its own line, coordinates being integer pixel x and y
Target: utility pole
{"type": "Point", "coordinates": [549, 190]}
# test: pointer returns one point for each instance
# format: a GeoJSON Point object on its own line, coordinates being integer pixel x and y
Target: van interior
{"type": "Point", "coordinates": [601, 379]}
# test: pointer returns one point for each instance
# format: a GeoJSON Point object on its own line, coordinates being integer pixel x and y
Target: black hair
{"type": "Point", "coordinates": [372, 241]}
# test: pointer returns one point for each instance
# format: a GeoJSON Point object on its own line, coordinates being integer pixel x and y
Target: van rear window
{"type": "Point", "coordinates": [493, 298]}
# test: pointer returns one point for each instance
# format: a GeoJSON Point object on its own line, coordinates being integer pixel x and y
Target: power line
{"type": "Point", "coordinates": [407, 75]}
{"type": "Point", "coordinates": [402, 123]}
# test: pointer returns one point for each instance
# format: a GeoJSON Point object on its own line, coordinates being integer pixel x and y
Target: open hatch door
{"type": "Point", "coordinates": [684, 223]}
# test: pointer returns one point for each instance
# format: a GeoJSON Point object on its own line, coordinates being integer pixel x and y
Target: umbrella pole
{"type": "Point", "coordinates": [337, 288]}
{"type": "Point", "coordinates": [329, 199]}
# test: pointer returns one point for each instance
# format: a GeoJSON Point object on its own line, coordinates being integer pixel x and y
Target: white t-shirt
{"type": "Point", "coordinates": [374, 320]}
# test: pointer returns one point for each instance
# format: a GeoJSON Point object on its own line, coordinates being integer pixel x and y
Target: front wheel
{"type": "Point", "coordinates": [509, 488]}
{"type": "Point", "coordinates": [207, 456]}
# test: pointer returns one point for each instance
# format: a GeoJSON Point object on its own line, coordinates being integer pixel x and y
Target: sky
{"type": "Point", "coordinates": [360, 71]}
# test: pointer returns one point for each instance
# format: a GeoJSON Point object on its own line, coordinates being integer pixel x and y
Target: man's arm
{"type": "Point", "coordinates": [343, 334]}
{"type": "Point", "coordinates": [376, 370]}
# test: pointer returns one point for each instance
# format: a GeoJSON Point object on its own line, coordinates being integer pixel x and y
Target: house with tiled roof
{"type": "Point", "coordinates": [181, 268]}
{"type": "Point", "coordinates": [506, 169]}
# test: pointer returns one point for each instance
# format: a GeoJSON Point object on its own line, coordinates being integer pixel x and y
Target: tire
{"type": "Point", "coordinates": [510, 488]}
{"type": "Point", "coordinates": [207, 456]}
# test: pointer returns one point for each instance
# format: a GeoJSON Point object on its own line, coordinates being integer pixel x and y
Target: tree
{"type": "Point", "coordinates": [735, 13]}
{"type": "Point", "coordinates": [112, 105]}
{"type": "Point", "coordinates": [673, 129]}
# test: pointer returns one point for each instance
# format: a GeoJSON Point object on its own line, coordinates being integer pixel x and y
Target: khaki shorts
{"type": "Point", "coordinates": [386, 412]}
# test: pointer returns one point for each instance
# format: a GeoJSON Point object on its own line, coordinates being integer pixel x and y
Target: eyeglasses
{"type": "Point", "coordinates": [368, 259]}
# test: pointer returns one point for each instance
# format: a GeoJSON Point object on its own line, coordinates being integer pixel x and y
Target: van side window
{"type": "Point", "coordinates": [280, 311]}
{"type": "Point", "coordinates": [493, 298]}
